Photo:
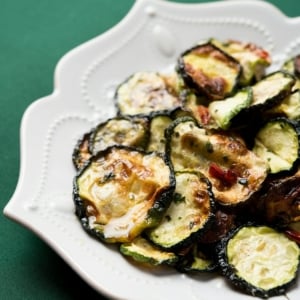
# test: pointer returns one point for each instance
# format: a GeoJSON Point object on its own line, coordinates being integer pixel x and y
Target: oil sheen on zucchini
{"type": "Point", "coordinates": [190, 212]}
{"type": "Point", "coordinates": [234, 171]}
{"type": "Point", "coordinates": [121, 192]}
{"type": "Point", "coordinates": [259, 260]}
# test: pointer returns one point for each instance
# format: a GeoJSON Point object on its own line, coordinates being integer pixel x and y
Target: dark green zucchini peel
{"type": "Point", "coordinates": [209, 71]}
{"type": "Point", "coordinates": [122, 191]}
{"type": "Point", "coordinates": [259, 260]}
{"type": "Point", "coordinates": [81, 153]}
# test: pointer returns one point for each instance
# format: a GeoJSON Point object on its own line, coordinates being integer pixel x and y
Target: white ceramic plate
{"type": "Point", "coordinates": [150, 37]}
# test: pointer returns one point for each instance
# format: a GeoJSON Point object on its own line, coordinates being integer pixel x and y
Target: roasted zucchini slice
{"type": "Point", "coordinates": [81, 153]}
{"type": "Point", "coordinates": [281, 199]}
{"type": "Point", "coordinates": [223, 111]}
{"type": "Point", "coordinates": [272, 89]}
{"type": "Point", "coordinates": [253, 59]}
{"type": "Point", "coordinates": [124, 130]}
{"type": "Point", "coordinates": [289, 107]}
{"type": "Point", "coordinates": [277, 143]}
{"type": "Point", "coordinates": [142, 251]}
{"type": "Point", "coordinates": [145, 92]}
{"type": "Point", "coordinates": [234, 171]}
{"type": "Point", "coordinates": [259, 260]}
{"type": "Point", "coordinates": [158, 124]}
{"type": "Point", "coordinates": [122, 191]}
{"type": "Point", "coordinates": [209, 71]}
{"type": "Point", "coordinates": [189, 214]}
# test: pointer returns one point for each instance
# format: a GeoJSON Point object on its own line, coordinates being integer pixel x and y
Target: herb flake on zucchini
{"type": "Point", "coordinates": [122, 191]}
{"type": "Point", "coordinates": [259, 260]}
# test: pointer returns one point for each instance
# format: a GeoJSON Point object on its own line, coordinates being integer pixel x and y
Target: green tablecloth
{"type": "Point", "coordinates": [34, 35]}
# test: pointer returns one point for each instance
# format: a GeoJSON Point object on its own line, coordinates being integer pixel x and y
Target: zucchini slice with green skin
{"type": "Point", "coordinates": [123, 130]}
{"type": "Point", "coordinates": [142, 251]}
{"type": "Point", "coordinates": [253, 59]}
{"type": "Point", "coordinates": [223, 111]}
{"type": "Point", "coordinates": [289, 107]}
{"type": "Point", "coordinates": [158, 123]}
{"type": "Point", "coordinates": [145, 92]}
{"type": "Point", "coordinates": [189, 214]}
{"type": "Point", "coordinates": [259, 260]}
{"type": "Point", "coordinates": [122, 191]}
{"type": "Point", "coordinates": [277, 143]}
{"type": "Point", "coordinates": [272, 89]}
{"type": "Point", "coordinates": [234, 171]}
{"type": "Point", "coordinates": [81, 153]}
{"type": "Point", "coordinates": [209, 71]}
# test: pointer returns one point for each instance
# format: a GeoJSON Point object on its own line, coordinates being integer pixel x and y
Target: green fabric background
{"type": "Point", "coordinates": [34, 35]}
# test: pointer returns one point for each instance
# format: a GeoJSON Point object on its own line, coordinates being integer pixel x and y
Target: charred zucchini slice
{"type": "Point", "coordinates": [289, 107]}
{"type": "Point", "coordinates": [223, 111]}
{"type": "Point", "coordinates": [209, 71]}
{"type": "Point", "coordinates": [142, 251]}
{"type": "Point", "coordinates": [124, 130]}
{"type": "Point", "coordinates": [292, 65]}
{"type": "Point", "coordinates": [234, 171]}
{"type": "Point", "coordinates": [253, 59]}
{"type": "Point", "coordinates": [121, 192]}
{"type": "Point", "coordinates": [190, 212]}
{"type": "Point", "coordinates": [145, 92]}
{"type": "Point", "coordinates": [272, 89]}
{"type": "Point", "coordinates": [259, 260]}
{"type": "Point", "coordinates": [277, 143]}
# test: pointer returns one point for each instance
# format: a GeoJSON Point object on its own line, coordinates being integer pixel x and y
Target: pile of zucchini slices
{"type": "Point", "coordinates": [199, 169]}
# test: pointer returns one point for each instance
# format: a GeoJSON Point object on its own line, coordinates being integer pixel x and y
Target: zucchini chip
{"type": "Point", "coordinates": [259, 260]}
{"type": "Point", "coordinates": [142, 251]}
{"type": "Point", "coordinates": [253, 59]}
{"type": "Point", "coordinates": [145, 92]}
{"type": "Point", "coordinates": [234, 171]}
{"type": "Point", "coordinates": [189, 214]}
{"type": "Point", "coordinates": [81, 153]}
{"type": "Point", "coordinates": [124, 130]}
{"type": "Point", "coordinates": [223, 111]}
{"type": "Point", "coordinates": [122, 191]}
{"type": "Point", "coordinates": [277, 143]}
{"type": "Point", "coordinates": [209, 71]}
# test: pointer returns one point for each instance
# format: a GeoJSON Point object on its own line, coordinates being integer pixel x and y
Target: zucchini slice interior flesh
{"type": "Point", "coordinates": [260, 260]}
{"type": "Point", "coordinates": [121, 192]}
{"type": "Point", "coordinates": [145, 92]}
{"type": "Point", "coordinates": [190, 212]}
{"type": "Point", "coordinates": [277, 142]}
{"type": "Point", "coordinates": [234, 171]}
{"type": "Point", "coordinates": [127, 131]}
{"type": "Point", "coordinates": [209, 70]}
